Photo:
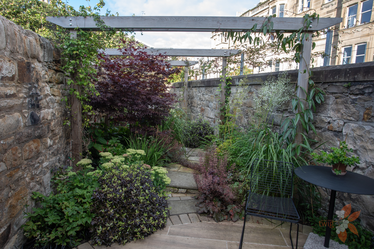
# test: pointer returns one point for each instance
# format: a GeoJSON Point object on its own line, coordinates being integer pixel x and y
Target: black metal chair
{"type": "Point", "coordinates": [270, 194]}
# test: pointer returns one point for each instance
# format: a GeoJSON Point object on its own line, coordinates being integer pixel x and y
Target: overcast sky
{"type": "Point", "coordinates": [173, 8]}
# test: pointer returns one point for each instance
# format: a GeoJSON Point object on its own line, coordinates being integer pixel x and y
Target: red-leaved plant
{"type": "Point", "coordinates": [216, 196]}
{"type": "Point", "coordinates": [132, 87]}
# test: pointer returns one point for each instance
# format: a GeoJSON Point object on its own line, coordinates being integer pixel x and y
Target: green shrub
{"type": "Point", "coordinates": [126, 206]}
{"type": "Point", "coordinates": [197, 133]}
{"type": "Point", "coordinates": [62, 218]}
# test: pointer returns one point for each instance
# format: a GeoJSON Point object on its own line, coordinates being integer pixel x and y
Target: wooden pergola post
{"type": "Point", "coordinates": [76, 117]}
{"type": "Point", "coordinates": [185, 92]}
{"type": "Point", "coordinates": [303, 79]}
{"type": "Point", "coordinates": [223, 90]}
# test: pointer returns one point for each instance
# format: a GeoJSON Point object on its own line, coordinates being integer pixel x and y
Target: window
{"type": "Point", "coordinates": [360, 53]}
{"type": "Point", "coordinates": [270, 65]}
{"type": "Point", "coordinates": [352, 13]}
{"type": "Point", "coordinates": [304, 5]}
{"type": "Point", "coordinates": [347, 51]}
{"type": "Point", "coordinates": [274, 10]}
{"type": "Point", "coordinates": [281, 10]}
{"type": "Point", "coordinates": [366, 11]}
{"type": "Point", "coordinates": [277, 66]}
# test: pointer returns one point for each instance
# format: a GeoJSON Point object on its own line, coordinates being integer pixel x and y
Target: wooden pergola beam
{"type": "Point", "coordinates": [190, 23]}
{"type": "Point", "coordinates": [183, 52]}
{"type": "Point", "coordinates": [183, 63]}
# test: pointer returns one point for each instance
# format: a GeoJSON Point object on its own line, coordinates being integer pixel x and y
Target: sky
{"type": "Point", "coordinates": [173, 8]}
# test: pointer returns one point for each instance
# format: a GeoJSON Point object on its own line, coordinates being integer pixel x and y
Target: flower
{"type": "Point", "coordinates": [340, 229]}
{"type": "Point", "coordinates": [146, 166]}
{"type": "Point", "coordinates": [84, 161]}
{"type": "Point", "coordinates": [106, 155]}
{"type": "Point", "coordinates": [71, 173]}
{"type": "Point", "coordinates": [107, 165]}
{"type": "Point", "coordinates": [340, 214]}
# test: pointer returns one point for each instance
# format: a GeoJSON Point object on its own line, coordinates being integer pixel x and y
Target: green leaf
{"type": "Point", "coordinates": [98, 147]}
{"type": "Point", "coordinates": [101, 140]}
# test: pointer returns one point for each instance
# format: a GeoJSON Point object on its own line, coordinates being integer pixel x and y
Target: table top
{"type": "Point", "coordinates": [350, 183]}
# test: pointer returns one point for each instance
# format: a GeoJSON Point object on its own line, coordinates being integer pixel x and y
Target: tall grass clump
{"type": "Point", "coordinates": [262, 144]}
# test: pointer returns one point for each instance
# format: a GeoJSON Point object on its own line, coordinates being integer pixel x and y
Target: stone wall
{"type": "Point", "coordinates": [346, 114]}
{"type": "Point", "coordinates": [33, 139]}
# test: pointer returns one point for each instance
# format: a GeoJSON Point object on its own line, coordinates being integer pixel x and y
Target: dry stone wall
{"type": "Point", "coordinates": [346, 114]}
{"type": "Point", "coordinates": [33, 139]}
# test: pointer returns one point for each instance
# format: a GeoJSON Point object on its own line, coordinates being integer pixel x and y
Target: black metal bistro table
{"type": "Point", "coordinates": [350, 183]}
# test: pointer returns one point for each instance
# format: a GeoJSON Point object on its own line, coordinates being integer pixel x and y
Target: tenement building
{"type": "Point", "coordinates": [352, 41]}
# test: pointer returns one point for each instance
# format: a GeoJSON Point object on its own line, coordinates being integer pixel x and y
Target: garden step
{"type": "Point", "coordinates": [182, 180]}
{"type": "Point", "coordinates": [191, 231]}
{"type": "Point", "coordinates": [182, 205]}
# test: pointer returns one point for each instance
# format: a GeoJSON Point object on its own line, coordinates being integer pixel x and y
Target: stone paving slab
{"type": "Point", "coordinates": [317, 242]}
{"type": "Point", "coordinates": [182, 206]}
{"type": "Point", "coordinates": [175, 220]}
{"type": "Point", "coordinates": [207, 230]}
{"type": "Point", "coordinates": [85, 246]}
{"type": "Point", "coordinates": [194, 218]}
{"type": "Point", "coordinates": [182, 180]}
{"type": "Point", "coordinates": [185, 219]}
{"type": "Point", "coordinates": [170, 242]}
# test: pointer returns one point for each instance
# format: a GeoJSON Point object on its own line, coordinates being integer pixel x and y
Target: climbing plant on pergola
{"type": "Point", "coordinates": [201, 24]}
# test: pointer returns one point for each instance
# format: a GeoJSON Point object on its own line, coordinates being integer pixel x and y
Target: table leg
{"type": "Point", "coordinates": [329, 218]}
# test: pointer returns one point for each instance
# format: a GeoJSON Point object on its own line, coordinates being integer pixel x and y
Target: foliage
{"type": "Point", "coordinates": [155, 149]}
{"type": "Point", "coordinates": [363, 240]}
{"type": "Point", "coordinates": [102, 137]}
{"type": "Point", "coordinates": [273, 94]}
{"type": "Point", "coordinates": [160, 179]}
{"type": "Point", "coordinates": [216, 194]}
{"type": "Point", "coordinates": [134, 157]}
{"type": "Point", "coordinates": [63, 217]}
{"type": "Point", "coordinates": [197, 133]}
{"type": "Point", "coordinates": [31, 14]}
{"type": "Point", "coordinates": [338, 155]}
{"type": "Point", "coordinates": [126, 207]}
{"type": "Point", "coordinates": [132, 87]}
{"type": "Point", "coordinates": [262, 144]}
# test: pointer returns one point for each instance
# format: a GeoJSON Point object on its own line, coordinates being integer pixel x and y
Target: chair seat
{"type": "Point", "coordinates": [278, 208]}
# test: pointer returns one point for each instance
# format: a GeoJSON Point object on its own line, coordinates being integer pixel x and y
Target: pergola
{"type": "Point", "coordinates": [195, 24]}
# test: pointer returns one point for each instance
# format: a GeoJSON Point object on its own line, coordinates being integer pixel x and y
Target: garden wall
{"type": "Point", "coordinates": [33, 139]}
{"type": "Point", "coordinates": [346, 114]}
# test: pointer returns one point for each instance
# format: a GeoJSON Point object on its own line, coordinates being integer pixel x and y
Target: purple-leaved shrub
{"type": "Point", "coordinates": [216, 194]}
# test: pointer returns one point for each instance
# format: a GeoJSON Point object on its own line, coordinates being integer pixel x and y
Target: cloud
{"type": "Point", "coordinates": [175, 39]}
{"type": "Point", "coordinates": [178, 8]}
{"type": "Point", "coordinates": [181, 7]}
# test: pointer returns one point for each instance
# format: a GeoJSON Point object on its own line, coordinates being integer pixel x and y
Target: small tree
{"type": "Point", "coordinates": [132, 88]}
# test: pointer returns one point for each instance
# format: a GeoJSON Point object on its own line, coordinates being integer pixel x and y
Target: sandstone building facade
{"type": "Point", "coordinates": [352, 41]}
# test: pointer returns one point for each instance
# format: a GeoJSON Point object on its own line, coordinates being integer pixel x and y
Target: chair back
{"type": "Point", "coordinates": [272, 178]}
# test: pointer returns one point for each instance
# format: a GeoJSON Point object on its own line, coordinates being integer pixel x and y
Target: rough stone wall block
{"type": "Point", "coordinates": [2, 36]}
{"type": "Point", "coordinates": [33, 139]}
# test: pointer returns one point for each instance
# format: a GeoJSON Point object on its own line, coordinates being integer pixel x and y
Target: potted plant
{"type": "Point", "coordinates": [338, 158]}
